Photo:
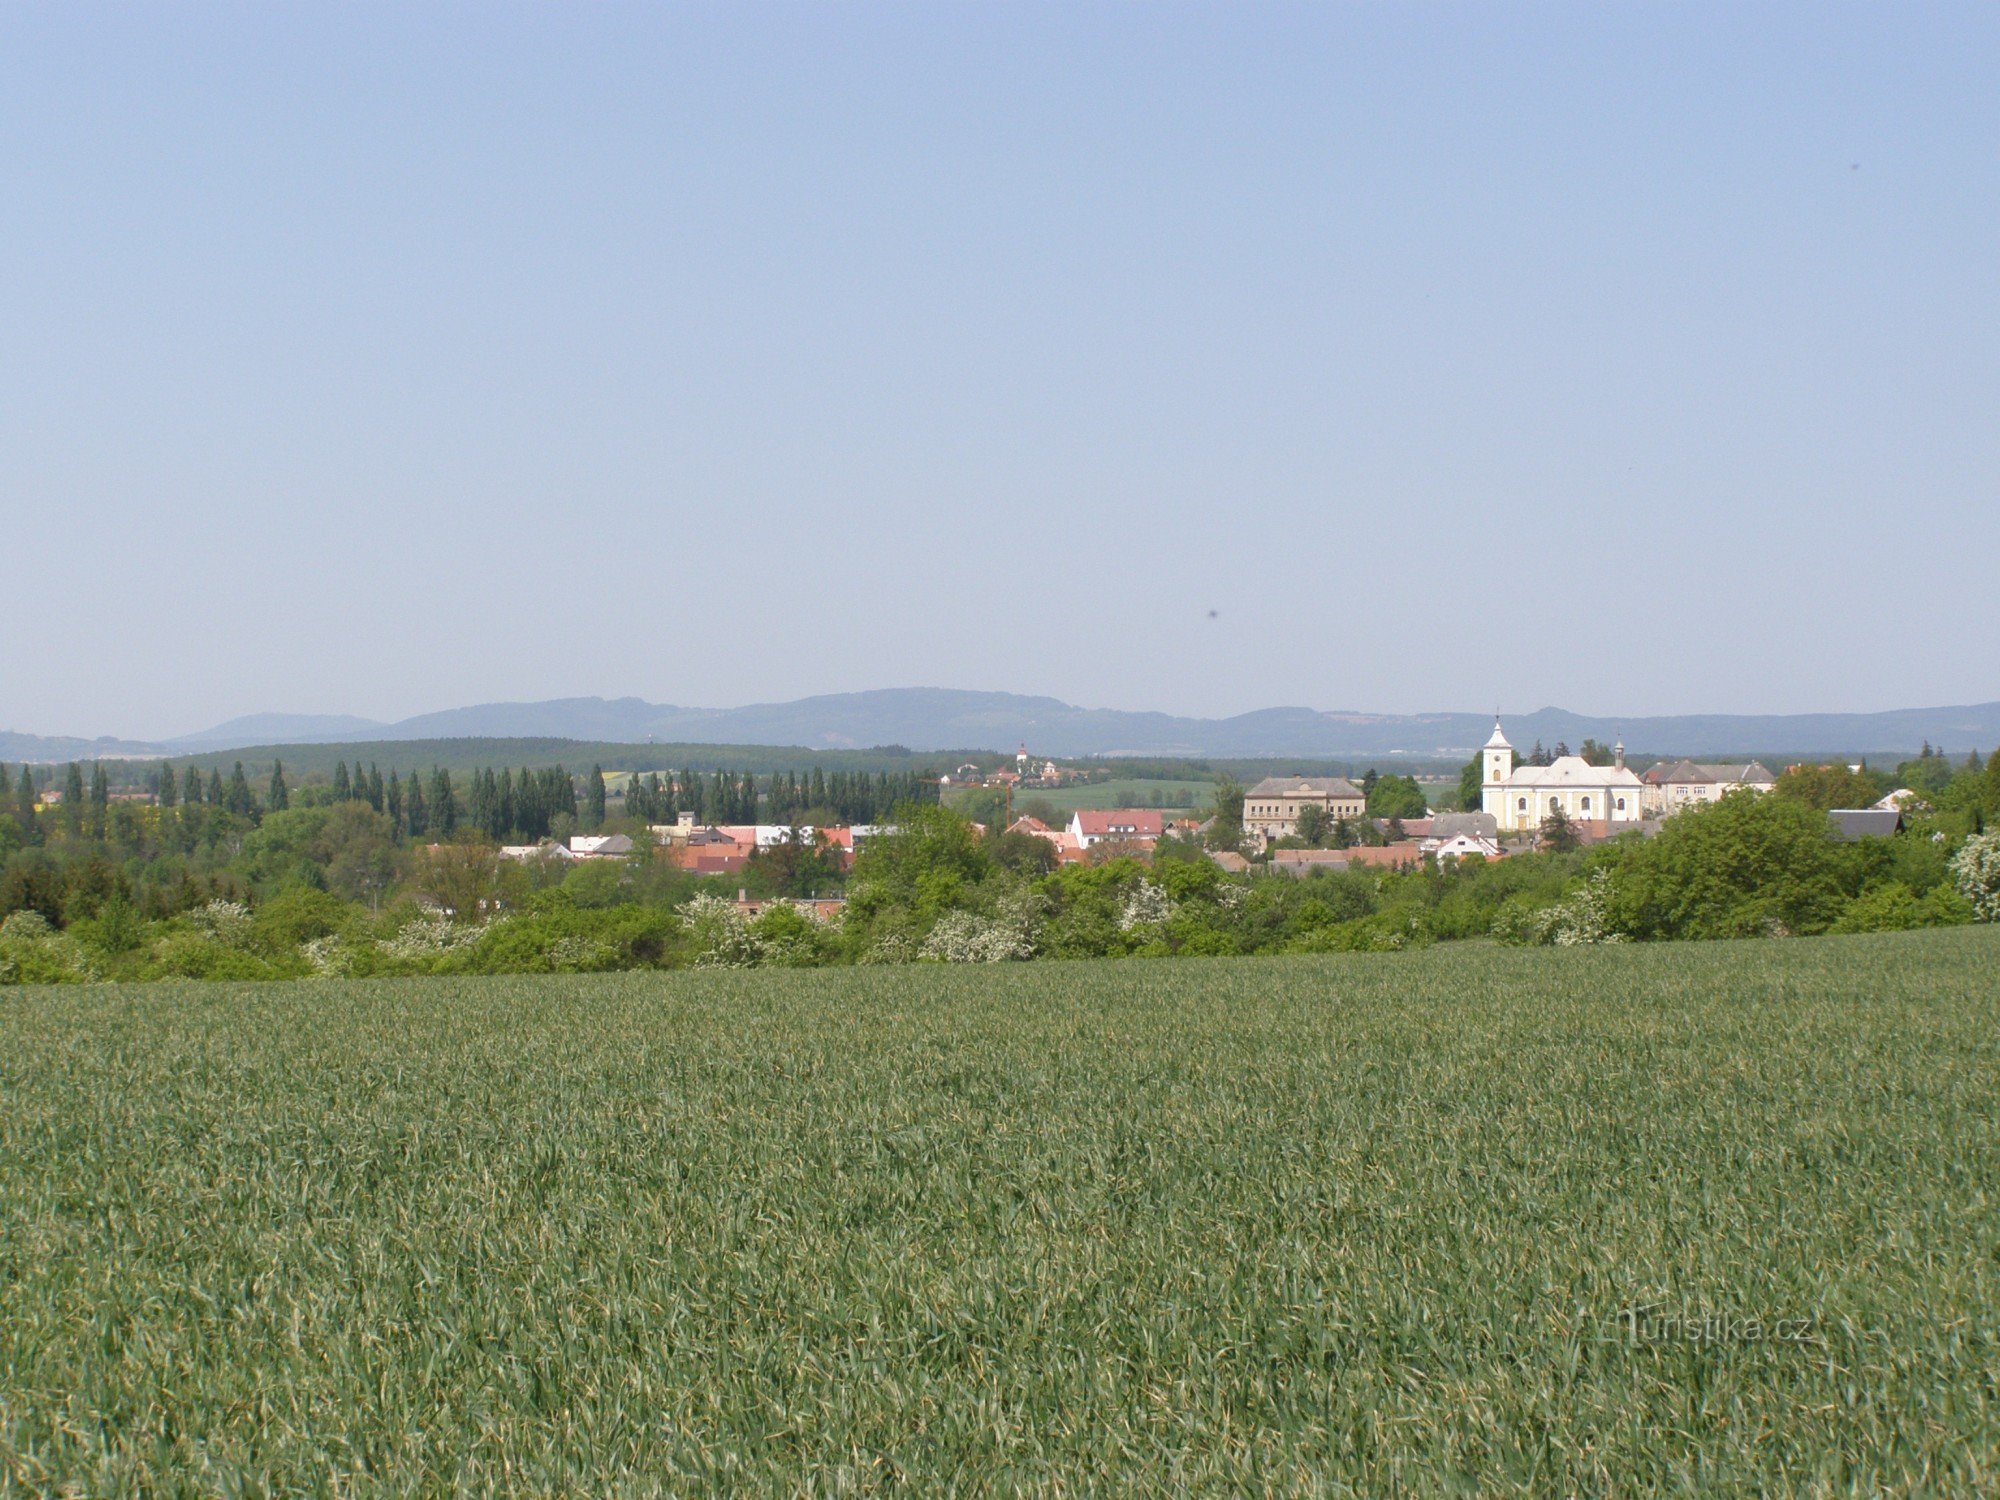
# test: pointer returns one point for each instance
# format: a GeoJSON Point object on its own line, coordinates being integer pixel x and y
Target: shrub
{"type": "Point", "coordinates": [1975, 870]}
{"type": "Point", "coordinates": [32, 952]}
{"type": "Point", "coordinates": [1581, 917]}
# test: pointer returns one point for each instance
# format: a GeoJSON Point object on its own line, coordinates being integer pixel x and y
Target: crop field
{"type": "Point", "coordinates": [1127, 792]}
{"type": "Point", "coordinates": [1719, 1217]}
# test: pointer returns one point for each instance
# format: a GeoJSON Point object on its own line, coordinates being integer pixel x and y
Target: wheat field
{"type": "Point", "coordinates": [1622, 1221]}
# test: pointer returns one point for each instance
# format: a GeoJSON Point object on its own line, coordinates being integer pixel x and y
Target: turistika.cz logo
{"type": "Point", "coordinates": [1654, 1326]}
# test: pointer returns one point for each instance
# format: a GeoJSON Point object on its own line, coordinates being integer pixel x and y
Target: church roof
{"type": "Point", "coordinates": [1572, 770]}
{"type": "Point", "coordinates": [1499, 740]}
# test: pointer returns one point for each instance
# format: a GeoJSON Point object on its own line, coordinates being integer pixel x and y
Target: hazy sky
{"type": "Point", "coordinates": [1629, 358]}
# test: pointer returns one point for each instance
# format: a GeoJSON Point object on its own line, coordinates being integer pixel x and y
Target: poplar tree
{"type": "Point", "coordinates": [593, 799]}
{"type": "Point", "coordinates": [342, 791]}
{"type": "Point", "coordinates": [413, 798]}
{"type": "Point", "coordinates": [6, 783]}
{"type": "Point", "coordinates": [394, 795]}
{"type": "Point", "coordinates": [278, 796]}
{"type": "Point", "coordinates": [443, 807]}
{"type": "Point", "coordinates": [170, 791]}
{"type": "Point", "coordinates": [374, 786]}
{"type": "Point", "coordinates": [238, 798]}
{"type": "Point", "coordinates": [215, 785]}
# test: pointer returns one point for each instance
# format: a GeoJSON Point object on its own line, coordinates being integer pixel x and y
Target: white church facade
{"type": "Point", "coordinates": [1521, 797]}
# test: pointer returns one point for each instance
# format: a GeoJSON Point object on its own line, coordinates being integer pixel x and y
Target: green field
{"type": "Point", "coordinates": [1127, 792]}
{"type": "Point", "coordinates": [1360, 1223]}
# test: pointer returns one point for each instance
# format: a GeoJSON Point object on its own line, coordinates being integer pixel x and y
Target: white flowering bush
{"type": "Point", "coordinates": [328, 957]}
{"type": "Point", "coordinates": [1975, 870]}
{"type": "Point", "coordinates": [961, 937]}
{"type": "Point", "coordinates": [891, 948]}
{"type": "Point", "coordinates": [718, 934]}
{"type": "Point", "coordinates": [1580, 918]}
{"type": "Point", "coordinates": [224, 922]}
{"type": "Point", "coordinates": [1147, 905]}
{"type": "Point", "coordinates": [431, 936]}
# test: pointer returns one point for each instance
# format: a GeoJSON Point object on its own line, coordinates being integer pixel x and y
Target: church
{"type": "Point", "coordinates": [1520, 797]}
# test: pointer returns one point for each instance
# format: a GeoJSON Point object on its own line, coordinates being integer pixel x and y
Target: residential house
{"type": "Point", "coordinates": [600, 846]}
{"type": "Point", "coordinates": [1461, 846]}
{"type": "Point", "coordinates": [1091, 826]}
{"type": "Point", "coordinates": [1271, 808]}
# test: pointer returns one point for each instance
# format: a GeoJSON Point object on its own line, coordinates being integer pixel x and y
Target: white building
{"type": "Point", "coordinates": [1521, 797]}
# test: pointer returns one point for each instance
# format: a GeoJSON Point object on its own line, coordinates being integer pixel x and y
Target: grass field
{"type": "Point", "coordinates": [1360, 1223]}
{"type": "Point", "coordinates": [1173, 795]}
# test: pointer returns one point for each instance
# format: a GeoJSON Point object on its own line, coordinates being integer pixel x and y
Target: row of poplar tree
{"type": "Point", "coordinates": [785, 797]}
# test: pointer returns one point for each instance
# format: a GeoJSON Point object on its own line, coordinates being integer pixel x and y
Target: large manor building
{"type": "Point", "coordinates": [1271, 808]}
{"type": "Point", "coordinates": [1521, 797]}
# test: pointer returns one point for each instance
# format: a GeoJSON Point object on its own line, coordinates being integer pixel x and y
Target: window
{"type": "Point", "coordinates": [1522, 805]}
{"type": "Point", "coordinates": [1586, 804]}
{"type": "Point", "coordinates": [1621, 804]}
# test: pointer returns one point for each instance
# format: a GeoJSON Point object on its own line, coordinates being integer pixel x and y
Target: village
{"type": "Point", "coordinates": [1290, 825]}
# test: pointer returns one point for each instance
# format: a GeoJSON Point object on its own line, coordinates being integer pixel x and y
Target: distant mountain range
{"type": "Point", "coordinates": [951, 719]}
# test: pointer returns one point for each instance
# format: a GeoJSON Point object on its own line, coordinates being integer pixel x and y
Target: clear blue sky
{"type": "Point", "coordinates": [383, 359]}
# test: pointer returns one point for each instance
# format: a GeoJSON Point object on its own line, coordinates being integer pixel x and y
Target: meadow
{"type": "Point", "coordinates": [1127, 791]}
{"type": "Point", "coordinates": [1663, 1217]}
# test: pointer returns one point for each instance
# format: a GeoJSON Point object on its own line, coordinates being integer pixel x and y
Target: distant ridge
{"type": "Point", "coordinates": [950, 718]}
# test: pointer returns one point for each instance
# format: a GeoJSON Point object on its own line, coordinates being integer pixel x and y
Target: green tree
{"type": "Point", "coordinates": [170, 792]}
{"type": "Point", "coordinates": [277, 797]}
{"type": "Point", "coordinates": [342, 791]}
{"type": "Point", "coordinates": [1740, 867]}
{"type": "Point", "coordinates": [72, 798]}
{"type": "Point", "coordinates": [1225, 830]}
{"type": "Point", "coordinates": [1828, 787]}
{"type": "Point", "coordinates": [1396, 797]}
{"type": "Point", "coordinates": [215, 792]}
{"type": "Point", "coordinates": [1311, 824]}
{"type": "Point", "coordinates": [1558, 834]}
{"type": "Point", "coordinates": [238, 799]}
{"type": "Point", "coordinates": [442, 804]}
{"type": "Point", "coordinates": [593, 799]}
{"type": "Point", "coordinates": [24, 797]}
{"type": "Point", "coordinates": [1471, 785]}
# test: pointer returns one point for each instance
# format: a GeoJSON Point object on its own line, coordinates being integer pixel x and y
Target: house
{"type": "Point", "coordinates": [1305, 861]}
{"type": "Point", "coordinates": [1520, 798]}
{"type": "Point", "coordinates": [1451, 825]}
{"type": "Point", "coordinates": [1271, 808]}
{"type": "Point", "coordinates": [1091, 826]}
{"type": "Point", "coordinates": [548, 849]}
{"type": "Point", "coordinates": [1849, 825]}
{"type": "Point", "coordinates": [1684, 783]}
{"type": "Point", "coordinates": [1401, 856]}
{"type": "Point", "coordinates": [1461, 846]}
{"type": "Point", "coordinates": [600, 846]}
{"type": "Point", "coordinates": [1069, 848]}
{"type": "Point", "coordinates": [1229, 861]}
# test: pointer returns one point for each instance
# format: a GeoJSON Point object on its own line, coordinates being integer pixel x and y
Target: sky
{"type": "Point", "coordinates": [380, 359]}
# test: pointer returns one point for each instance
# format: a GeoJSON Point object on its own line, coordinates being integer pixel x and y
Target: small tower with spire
{"type": "Point", "coordinates": [1498, 757]}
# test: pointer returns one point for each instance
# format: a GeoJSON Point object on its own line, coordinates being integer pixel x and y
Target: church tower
{"type": "Point", "coordinates": [1499, 758]}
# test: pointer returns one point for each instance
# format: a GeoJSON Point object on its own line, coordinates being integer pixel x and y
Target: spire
{"type": "Point", "coordinates": [1499, 740]}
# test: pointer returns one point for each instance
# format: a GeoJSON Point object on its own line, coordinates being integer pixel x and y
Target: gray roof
{"type": "Point", "coordinates": [1304, 786]}
{"type": "Point", "coordinates": [1478, 825]}
{"type": "Point", "coordinates": [1853, 823]}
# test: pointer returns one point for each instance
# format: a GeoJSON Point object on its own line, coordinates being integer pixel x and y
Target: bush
{"type": "Point", "coordinates": [1975, 870]}
{"type": "Point", "coordinates": [32, 952]}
